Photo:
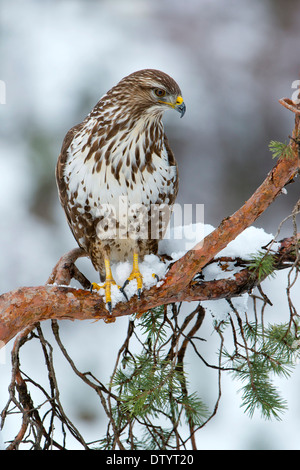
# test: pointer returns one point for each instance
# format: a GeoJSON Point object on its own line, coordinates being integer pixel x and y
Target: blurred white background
{"type": "Point", "coordinates": [233, 60]}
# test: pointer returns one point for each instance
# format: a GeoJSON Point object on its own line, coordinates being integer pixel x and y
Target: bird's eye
{"type": "Point", "coordinates": [159, 92]}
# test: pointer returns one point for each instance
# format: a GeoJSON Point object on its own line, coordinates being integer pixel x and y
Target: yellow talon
{"type": "Point", "coordinates": [135, 274]}
{"type": "Point", "coordinates": [109, 281]}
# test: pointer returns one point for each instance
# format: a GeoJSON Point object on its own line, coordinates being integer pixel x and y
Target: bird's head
{"type": "Point", "coordinates": [150, 91]}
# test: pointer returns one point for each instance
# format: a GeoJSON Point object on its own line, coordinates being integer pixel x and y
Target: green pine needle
{"type": "Point", "coordinates": [280, 149]}
{"type": "Point", "coordinates": [260, 393]}
{"type": "Point", "coordinates": [272, 351]}
{"type": "Point", "coordinates": [263, 264]}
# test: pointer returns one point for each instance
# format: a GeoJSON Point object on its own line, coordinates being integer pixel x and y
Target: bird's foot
{"type": "Point", "coordinates": [135, 274]}
{"type": "Point", "coordinates": [107, 287]}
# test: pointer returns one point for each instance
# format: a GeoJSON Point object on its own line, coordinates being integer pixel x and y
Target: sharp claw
{"type": "Point", "coordinates": [124, 293]}
{"type": "Point", "coordinates": [109, 307]}
{"type": "Point", "coordinates": [124, 285]}
{"type": "Point", "coordinates": [139, 291]}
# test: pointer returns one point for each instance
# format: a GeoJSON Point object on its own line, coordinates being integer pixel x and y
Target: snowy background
{"type": "Point", "coordinates": [233, 60]}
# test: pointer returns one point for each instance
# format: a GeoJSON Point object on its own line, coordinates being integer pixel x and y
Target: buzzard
{"type": "Point", "coordinates": [115, 168]}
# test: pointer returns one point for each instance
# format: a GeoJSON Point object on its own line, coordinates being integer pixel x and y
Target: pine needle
{"type": "Point", "coordinates": [280, 149]}
{"type": "Point", "coordinates": [263, 264]}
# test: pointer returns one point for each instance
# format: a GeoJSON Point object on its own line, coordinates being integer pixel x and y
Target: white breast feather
{"type": "Point", "coordinates": [102, 187]}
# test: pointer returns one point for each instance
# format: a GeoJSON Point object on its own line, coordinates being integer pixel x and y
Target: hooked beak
{"type": "Point", "coordinates": [180, 107]}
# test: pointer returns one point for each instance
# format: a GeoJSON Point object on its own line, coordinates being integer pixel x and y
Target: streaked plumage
{"type": "Point", "coordinates": [119, 154]}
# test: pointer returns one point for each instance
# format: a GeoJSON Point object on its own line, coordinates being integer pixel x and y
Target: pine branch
{"type": "Point", "coordinates": [29, 305]}
{"type": "Point", "coordinates": [270, 352]}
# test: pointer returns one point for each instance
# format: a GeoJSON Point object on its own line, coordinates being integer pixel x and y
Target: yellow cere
{"type": "Point", "coordinates": [179, 100]}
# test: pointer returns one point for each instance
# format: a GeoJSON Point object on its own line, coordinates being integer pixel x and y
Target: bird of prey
{"type": "Point", "coordinates": [115, 167]}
